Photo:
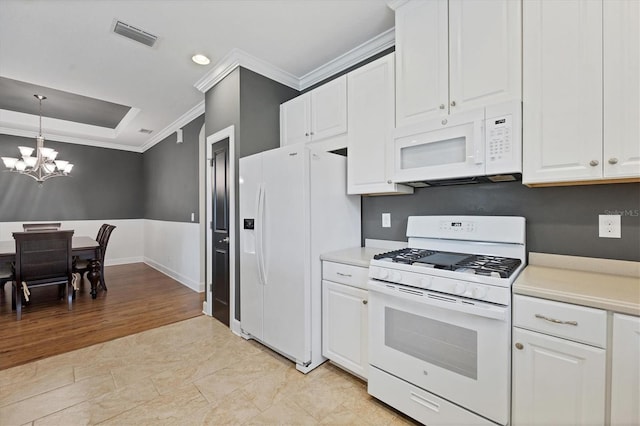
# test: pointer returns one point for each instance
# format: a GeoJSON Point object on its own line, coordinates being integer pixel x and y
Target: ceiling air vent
{"type": "Point", "coordinates": [135, 34]}
{"type": "Point", "coordinates": [147, 131]}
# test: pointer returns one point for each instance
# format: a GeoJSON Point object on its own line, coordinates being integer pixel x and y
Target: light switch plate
{"type": "Point", "coordinates": [386, 220]}
{"type": "Point", "coordinates": [609, 226]}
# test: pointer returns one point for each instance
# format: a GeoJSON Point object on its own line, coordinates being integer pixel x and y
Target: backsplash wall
{"type": "Point", "coordinates": [560, 220]}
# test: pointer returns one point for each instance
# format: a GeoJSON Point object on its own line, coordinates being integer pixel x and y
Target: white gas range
{"type": "Point", "coordinates": [440, 319]}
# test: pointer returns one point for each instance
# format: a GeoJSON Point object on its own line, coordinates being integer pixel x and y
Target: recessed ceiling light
{"type": "Point", "coordinates": [200, 59]}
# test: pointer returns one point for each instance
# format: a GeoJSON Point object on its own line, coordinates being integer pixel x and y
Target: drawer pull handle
{"type": "Point", "coordinates": [343, 275]}
{"type": "Point", "coordinates": [557, 321]}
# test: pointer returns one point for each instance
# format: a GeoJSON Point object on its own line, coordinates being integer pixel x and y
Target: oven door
{"type": "Point", "coordinates": [456, 348]}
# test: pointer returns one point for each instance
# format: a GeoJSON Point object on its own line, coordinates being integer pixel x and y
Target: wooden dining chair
{"type": "Point", "coordinates": [81, 266]}
{"type": "Point", "coordinates": [42, 258]}
{"type": "Point", "coordinates": [6, 275]}
{"type": "Point", "coordinates": [51, 226]}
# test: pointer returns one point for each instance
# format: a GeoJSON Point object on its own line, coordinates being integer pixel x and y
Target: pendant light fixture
{"type": "Point", "coordinates": [44, 164]}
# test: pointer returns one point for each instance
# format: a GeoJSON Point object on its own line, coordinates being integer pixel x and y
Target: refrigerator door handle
{"type": "Point", "coordinates": [260, 235]}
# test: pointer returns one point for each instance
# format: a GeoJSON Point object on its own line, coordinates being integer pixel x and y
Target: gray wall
{"type": "Point", "coordinates": [170, 175]}
{"type": "Point", "coordinates": [104, 184]}
{"type": "Point", "coordinates": [222, 104]}
{"type": "Point", "coordinates": [560, 220]}
{"type": "Point", "coordinates": [260, 100]}
{"type": "Point", "coordinates": [250, 102]}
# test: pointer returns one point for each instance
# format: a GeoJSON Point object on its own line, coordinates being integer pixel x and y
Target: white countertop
{"type": "Point", "coordinates": [608, 284]}
{"type": "Point", "coordinates": [356, 256]}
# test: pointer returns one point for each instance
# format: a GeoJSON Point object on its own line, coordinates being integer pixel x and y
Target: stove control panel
{"type": "Point", "coordinates": [457, 227]}
{"type": "Point", "coordinates": [471, 290]}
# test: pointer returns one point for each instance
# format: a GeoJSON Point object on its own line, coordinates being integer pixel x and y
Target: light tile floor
{"type": "Point", "coordinates": [189, 373]}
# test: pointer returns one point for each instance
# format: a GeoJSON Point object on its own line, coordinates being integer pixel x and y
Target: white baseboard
{"type": "Point", "coordinates": [193, 285]}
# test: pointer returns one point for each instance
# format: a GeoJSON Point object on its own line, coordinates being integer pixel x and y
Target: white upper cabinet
{"type": "Point", "coordinates": [484, 53]}
{"type": "Point", "coordinates": [454, 56]}
{"type": "Point", "coordinates": [318, 114]}
{"type": "Point", "coordinates": [371, 118]}
{"type": "Point", "coordinates": [295, 120]}
{"type": "Point", "coordinates": [621, 88]}
{"type": "Point", "coordinates": [421, 61]}
{"type": "Point", "coordinates": [580, 91]}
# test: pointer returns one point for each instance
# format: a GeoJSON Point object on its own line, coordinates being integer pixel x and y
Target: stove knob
{"type": "Point", "coordinates": [396, 277]}
{"type": "Point", "coordinates": [425, 282]}
{"type": "Point", "coordinates": [479, 293]}
{"type": "Point", "coordinates": [460, 288]}
{"type": "Point", "coordinates": [383, 274]}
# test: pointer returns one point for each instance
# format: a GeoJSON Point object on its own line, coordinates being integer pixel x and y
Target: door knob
{"type": "Point", "coordinates": [224, 240]}
{"type": "Point", "coordinates": [364, 302]}
{"type": "Point", "coordinates": [613, 160]}
{"type": "Point", "coordinates": [453, 103]}
{"type": "Point", "coordinates": [593, 163]}
{"type": "Point", "coordinates": [519, 346]}
{"type": "Point", "coordinates": [441, 106]}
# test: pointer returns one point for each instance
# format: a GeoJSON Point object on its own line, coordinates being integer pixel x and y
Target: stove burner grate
{"type": "Point", "coordinates": [490, 265]}
{"type": "Point", "coordinates": [493, 266]}
{"type": "Point", "coordinates": [405, 255]}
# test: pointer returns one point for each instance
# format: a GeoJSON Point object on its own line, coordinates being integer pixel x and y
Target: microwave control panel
{"type": "Point", "coordinates": [499, 137]}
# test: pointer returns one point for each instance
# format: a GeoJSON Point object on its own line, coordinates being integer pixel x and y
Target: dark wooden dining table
{"type": "Point", "coordinates": [81, 246]}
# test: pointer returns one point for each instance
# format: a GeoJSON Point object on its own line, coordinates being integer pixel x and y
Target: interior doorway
{"type": "Point", "coordinates": [220, 228]}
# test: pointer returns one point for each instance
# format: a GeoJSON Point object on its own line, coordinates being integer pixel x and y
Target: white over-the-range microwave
{"type": "Point", "coordinates": [477, 145]}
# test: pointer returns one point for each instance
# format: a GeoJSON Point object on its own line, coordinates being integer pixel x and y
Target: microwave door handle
{"type": "Point", "coordinates": [478, 141]}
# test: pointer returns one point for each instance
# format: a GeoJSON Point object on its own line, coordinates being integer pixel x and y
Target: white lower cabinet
{"type": "Point", "coordinates": [625, 370]}
{"type": "Point", "coordinates": [557, 380]}
{"type": "Point", "coordinates": [345, 320]}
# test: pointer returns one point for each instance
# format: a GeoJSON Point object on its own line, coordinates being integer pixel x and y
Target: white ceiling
{"type": "Point", "coordinates": [68, 45]}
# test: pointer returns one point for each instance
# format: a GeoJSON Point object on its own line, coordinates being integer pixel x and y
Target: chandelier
{"type": "Point", "coordinates": [44, 164]}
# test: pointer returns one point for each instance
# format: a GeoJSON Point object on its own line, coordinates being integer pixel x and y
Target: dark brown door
{"type": "Point", "coordinates": [220, 230]}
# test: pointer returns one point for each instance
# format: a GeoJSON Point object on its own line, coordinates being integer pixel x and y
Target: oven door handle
{"type": "Point", "coordinates": [443, 301]}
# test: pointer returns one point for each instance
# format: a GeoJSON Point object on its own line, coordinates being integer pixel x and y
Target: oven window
{"type": "Point", "coordinates": [448, 151]}
{"type": "Point", "coordinates": [439, 343]}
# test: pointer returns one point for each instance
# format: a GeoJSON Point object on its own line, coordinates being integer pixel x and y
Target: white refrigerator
{"type": "Point", "coordinates": [293, 207]}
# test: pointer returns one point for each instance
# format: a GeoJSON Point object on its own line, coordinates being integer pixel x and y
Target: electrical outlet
{"type": "Point", "coordinates": [609, 226]}
{"type": "Point", "coordinates": [386, 220]}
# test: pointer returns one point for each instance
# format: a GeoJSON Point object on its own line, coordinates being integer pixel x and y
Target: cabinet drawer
{"type": "Point", "coordinates": [573, 322]}
{"type": "Point", "coordinates": [355, 276]}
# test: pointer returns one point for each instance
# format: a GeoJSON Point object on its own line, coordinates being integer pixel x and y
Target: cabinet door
{"type": "Point", "coordinates": [625, 374]}
{"type": "Point", "coordinates": [371, 117]}
{"type": "Point", "coordinates": [295, 126]}
{"type": "Point", "coordinates": [345, 326]}
{"type": "Point", "coordinates": [484, 53]}
{"type": "Point", "coordinates": [329, 109]}
{"type": "Point", "coordinates": [556, 381]}
{"type": "Point", "coordinates": [562, 90]}
{"type": "Point", "coordinates": [422, 80]}
{"type": "Point", "coordinates": [621, 88]}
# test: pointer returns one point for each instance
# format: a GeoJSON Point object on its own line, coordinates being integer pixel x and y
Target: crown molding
{"type": "Point", "coordinates": [236, 58]}
{"type": "Point", "coordinates": [395, 4]}
{"type": "Point", "coordinates": [68, 139]}
{"type": "Point", "coordinates": [367, 49]}
{"type": "Point", "coordinates": [182, 121]}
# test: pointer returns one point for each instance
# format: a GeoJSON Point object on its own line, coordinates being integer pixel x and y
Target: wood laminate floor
{"type": "Point", "coordinates": [139, 298]}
